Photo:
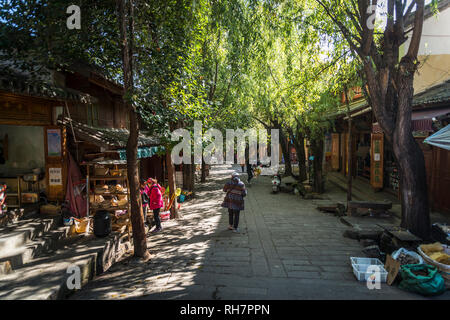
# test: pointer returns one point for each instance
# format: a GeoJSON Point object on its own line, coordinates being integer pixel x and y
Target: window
{"type": "Point", "coordinates": [92, 115]}
{"type": "Point", "coordinates": [57, 112]}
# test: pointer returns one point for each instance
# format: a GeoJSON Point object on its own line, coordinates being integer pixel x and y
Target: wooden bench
{"type": "Point", "coordinates": [377, 206]}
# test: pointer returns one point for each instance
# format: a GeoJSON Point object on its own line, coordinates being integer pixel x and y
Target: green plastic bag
{"type": "Point", "coordinates": [430, 285]}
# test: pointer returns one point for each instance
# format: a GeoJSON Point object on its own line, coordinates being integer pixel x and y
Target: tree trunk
{"type": "Point", "coordinates": [174, 214]}
{"type": "Point", "coordinates": [137, 217]}
{"type": "Point", "coordinates": [349, 148]}
{"type": "Point", "coordinates": [349, 162]}
{"type": "Point", "coordinates": [409, 156]}
{"type": "Point", "coordinates": [299, 144]}
{"type": "Point", "coordinates": [286, 154]}
{"type": "Point", "coordinates": [186, 173]}
{"type": "Point", "coordinates": [188, 178]}
{"type": "Point", "coordinates": [203, 174]}
{"type": "Point", "coordinates": [317, 150]}
{"type": "Point", "coordinates": [192, 174]}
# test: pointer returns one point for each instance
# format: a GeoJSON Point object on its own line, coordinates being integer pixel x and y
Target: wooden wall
{"type": "Point", "coordinates": [23, 110]}
{"type": "Point", "coordinates": [437, 166]}
{"type": "Point", "coordinates": [110, 109]}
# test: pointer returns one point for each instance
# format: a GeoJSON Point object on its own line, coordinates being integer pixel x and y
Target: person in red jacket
{"type": "Point", "coordinates": [156, 202]}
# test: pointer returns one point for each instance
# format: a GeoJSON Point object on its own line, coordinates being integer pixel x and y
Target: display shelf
{"type": "Point", "coordinates": [92, 181]}
{"type": "Point", "coordinates": [12, 194]}
{"type": "Point", "coordinates": [109, 193]}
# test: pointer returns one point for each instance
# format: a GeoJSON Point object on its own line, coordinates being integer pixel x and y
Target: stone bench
{"type": "Point", "coordinates": [377, 206]}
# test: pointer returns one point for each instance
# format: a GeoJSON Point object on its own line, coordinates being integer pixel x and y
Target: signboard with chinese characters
{"type": "Point", "coordinates": [376, 160]}
{"type": "Point", "coordinates": [55, 176]}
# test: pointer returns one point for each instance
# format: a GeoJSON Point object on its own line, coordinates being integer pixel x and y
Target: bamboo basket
{"type": "Point", "coordinates": [444, 269]}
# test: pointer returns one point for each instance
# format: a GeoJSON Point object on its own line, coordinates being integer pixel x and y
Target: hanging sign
{"type": "Point", "coordinates": [376, 163]}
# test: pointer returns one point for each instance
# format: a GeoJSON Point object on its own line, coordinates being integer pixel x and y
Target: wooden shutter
{"type": "Point", "coordinates": [376, 160]}
{"type": "Point", "coordinates": [335, 151]}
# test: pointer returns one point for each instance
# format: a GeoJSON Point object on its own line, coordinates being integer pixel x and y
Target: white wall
{"type": "Point", "coordinates": [434, 52]}
{"type": "Point", "coordinates": [25, 149]}
{"type": "Point", "coordinates": [435, 35]}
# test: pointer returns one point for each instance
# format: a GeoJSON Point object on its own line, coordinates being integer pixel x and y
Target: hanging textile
{"type": "Point", "coordinates": [75, 187]}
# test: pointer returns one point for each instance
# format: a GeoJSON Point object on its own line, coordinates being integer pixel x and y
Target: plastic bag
{"type": "Point", "coordinates": [415, 255]}
{"type": "Point", "coordinates": [428, 285]}
{"type": "Point", "coordinates": [79, 226]}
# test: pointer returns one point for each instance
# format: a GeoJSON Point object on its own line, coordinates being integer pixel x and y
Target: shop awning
{"type": "Point", "coordinates": [144, 152]}
{"type": "Point", "coordinates": [108, 138]}
{"type": "Point", "coordinates": [440, 139]}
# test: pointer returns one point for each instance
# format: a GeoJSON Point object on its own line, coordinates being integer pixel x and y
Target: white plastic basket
{"type": "Point", "coordinates": [366, 261]}
{"type": "Point", "coordinates": [360, 272]}
{"type": "Point", "coordinates": [360, 266]}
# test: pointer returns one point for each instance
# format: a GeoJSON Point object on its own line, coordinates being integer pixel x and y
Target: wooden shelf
{"type": "Point", "coordinates": [13, 194]}
{"type": "Point", "coordinates": [109, 193]}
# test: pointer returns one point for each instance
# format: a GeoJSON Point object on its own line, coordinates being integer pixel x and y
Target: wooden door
{"type": "Point", "coordinates": [55, 162]}
{"type": "Point", "coordinates": [335, 151]}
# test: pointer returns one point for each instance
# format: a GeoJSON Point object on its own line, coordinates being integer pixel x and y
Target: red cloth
{"type": "Point", "coordinates": [75, 186]}
{"type": "Point", "coordinates": [156, 199]}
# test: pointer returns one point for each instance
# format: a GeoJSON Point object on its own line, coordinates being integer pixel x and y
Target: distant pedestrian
{"type": "Point", "coordinates": [234, 200]}
{"type": "Point", "coordinates": [156, 203]}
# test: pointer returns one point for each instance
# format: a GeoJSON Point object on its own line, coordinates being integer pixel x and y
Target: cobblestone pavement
{"type": "Point", "coordinates": [286, 250]}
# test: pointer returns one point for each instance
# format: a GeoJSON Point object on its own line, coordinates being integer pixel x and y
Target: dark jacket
{"type": "Point", "coordinates": [234, 199]}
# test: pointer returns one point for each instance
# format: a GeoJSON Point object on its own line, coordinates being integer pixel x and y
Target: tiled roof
{"type": "Point", "coordinates": [434, 95]}
{"type": "Point", "coordinates": [108, 138]}
{"type": "Point", "coordinates": [354, 107]}
{"type": "Point", "coordinates": [21, 83]}
{"type": "Point", "coordinates": [437, 94]}
{"type": "Point", "coordinates": [428, 11]}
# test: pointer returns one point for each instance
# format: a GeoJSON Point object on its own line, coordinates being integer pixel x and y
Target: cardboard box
{"type": "Point", "coordinates": [30, 197]}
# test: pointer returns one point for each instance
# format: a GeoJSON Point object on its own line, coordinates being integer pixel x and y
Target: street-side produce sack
{"type": "Point", "coordinates": [422, 278]}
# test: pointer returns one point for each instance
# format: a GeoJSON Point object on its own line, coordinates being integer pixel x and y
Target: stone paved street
{"type": "Point", "coordinates": [286, 250]}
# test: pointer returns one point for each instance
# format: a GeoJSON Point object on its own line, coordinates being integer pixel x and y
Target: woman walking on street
{"type": "Point", "coordinates": [234, 200]}
{"type": "Point", "coordinates": [156, 203]}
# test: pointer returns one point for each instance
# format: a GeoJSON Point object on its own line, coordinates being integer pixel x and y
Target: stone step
{"type": "Point", "coordinates": [50, 240]}
{"type": "Point", "coordinates": [5, 267]}
{"type": "Point", "coordinates": [46, 277]}
{"type": "Point", "coordinates": [18, 234]}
